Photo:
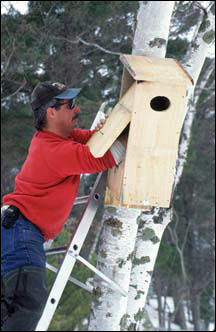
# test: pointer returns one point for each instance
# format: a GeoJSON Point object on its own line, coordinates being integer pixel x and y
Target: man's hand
{"type": "Point", "coordinates": [101, 123]}
{"type": "Point", "coordinates": [123, 139]}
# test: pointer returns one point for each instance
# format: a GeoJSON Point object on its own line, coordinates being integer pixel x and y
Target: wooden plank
{"type": "Point", "coordinates": [111, 200]}
{"type": "Point", "coordinates": [153, 146]}
{"type": "Point", "coordinates": [113, 195]}
{"type": "Point", "coordinates": [156, 69]}
{"type": "Point", "coordinates": [127, 81]}
{"type": "Point", "coordinates": [119, 118]}
{"type": "Point", "coordinates": [114, 186]}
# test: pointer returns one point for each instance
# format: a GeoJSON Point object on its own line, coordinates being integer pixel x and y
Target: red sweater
{"type": "Point", "coordinates": [48, 182]}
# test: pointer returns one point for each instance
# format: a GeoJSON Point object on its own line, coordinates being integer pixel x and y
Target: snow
{"type": "Point", "coordinates": [152, 310]}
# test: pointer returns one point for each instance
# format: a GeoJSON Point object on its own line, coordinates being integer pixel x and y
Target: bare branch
{"type": "Point", "coordinates": [175, 240]}
{"type": "Point", "coordinates": [98, 46]}
{"type": "Point", "coordinates": [199, 5]}
{"type": "Point", "coordinates": [79, 39]}
{"type": "Point", "coordinates": [65, 39]}
{"type": "Point", "coordinates": [9, 59]}
{"type": "Point", "coordinates": [14, 93]}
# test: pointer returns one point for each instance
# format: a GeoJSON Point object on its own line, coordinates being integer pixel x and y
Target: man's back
{"type": "Point", "coordinates": [48, 183]}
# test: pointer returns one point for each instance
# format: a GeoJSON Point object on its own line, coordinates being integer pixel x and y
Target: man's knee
{"type": "Point", "coordinates": [24, 295]}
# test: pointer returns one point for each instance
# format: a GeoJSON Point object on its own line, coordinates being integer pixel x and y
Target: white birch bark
{"type": "Point", "coordinates": [114, 260]}
{"type": "Point", "coordinates": [153, 20]}
{"type": "Point", "coordinates": [110, 311]}
{"type": "Point", "coordinates": [193, 63]}
{"type": "Point", "coordinates": [153, 23]}
{"type": "Point", "coordinates": [147, 244]}
{"type": "Point", "coordinates": [151, 229]}
{"type": "Point", "coordinates": [199, 47]}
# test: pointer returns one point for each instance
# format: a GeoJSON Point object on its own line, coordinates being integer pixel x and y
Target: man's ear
{"type": "Point", "coordinates": [50, 113]}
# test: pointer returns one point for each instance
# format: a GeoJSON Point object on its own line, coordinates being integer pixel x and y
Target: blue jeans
{"type": "Point", "coordinates": [21, 245]}
{"type": "Point", "coordinates": [23, 286]}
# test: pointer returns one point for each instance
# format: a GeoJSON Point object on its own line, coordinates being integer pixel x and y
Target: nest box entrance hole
{"type": "Point", "coordinates": [160, 103]}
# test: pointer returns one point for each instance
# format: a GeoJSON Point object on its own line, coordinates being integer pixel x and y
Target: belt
{"type": "Point", "coordinates": [11, 213]}
{"type": "Point", "coordinates": [4, 207]}
{"type": "Point", "coordinates": [11, 216]}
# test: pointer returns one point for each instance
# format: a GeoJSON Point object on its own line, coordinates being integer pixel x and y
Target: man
{"type": "Point", "coordinates": [45, 190]}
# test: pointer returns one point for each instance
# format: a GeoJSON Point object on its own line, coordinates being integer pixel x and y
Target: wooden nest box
{"type": "Point", "coordinates": [153, 102]}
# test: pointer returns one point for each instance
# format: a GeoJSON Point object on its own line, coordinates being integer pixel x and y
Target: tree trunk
{"type": "Point", "coordinates": [150, 40]}
{"type": "Point", "coordinates": [178, 298]}
{"type": "Point", "coordinates": [158, 290]}
{"type": "Point", "coordinates": [148, 240]}
{"type": "Point", "coordinates": [110, 310]}
{"type": "Point", "coordinates": [153, 21]}
{"type": "Point", "coordinates": [195, 307]}
{"type": "Point", "coordinates": [180, 318]}
{"type": "Point", "coordinates": [114, 259]}
{"type": "Point", "coordinates": [141, 274]}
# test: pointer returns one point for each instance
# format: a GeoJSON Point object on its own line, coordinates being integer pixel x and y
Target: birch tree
{"type": "Point", "coordinates": [125, 255]}
{"type": "Point", "coordinates": [154, 223]}
{"type": "Point", "coordinates": [109, 309]}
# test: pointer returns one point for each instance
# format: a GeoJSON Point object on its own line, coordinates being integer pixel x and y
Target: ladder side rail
{"type": "Point", "coordinates": [73, 250]}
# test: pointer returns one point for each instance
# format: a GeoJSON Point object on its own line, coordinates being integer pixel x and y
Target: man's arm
{"type": "Point", "coordinates": [82, 136]}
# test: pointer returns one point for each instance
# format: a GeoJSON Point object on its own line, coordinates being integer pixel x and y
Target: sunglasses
{"type": "Point", "coordinates": [71, 103]}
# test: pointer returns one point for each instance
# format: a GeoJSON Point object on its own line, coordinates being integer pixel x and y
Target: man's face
{"type": "Point", "coordinates": [65, 118]}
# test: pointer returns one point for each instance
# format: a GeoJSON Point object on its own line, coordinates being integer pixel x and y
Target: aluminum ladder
{"type": "Point", "coordinates": [72, 254]}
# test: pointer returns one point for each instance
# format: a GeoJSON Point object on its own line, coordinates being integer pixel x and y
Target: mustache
{"type": "Point", "coordinates": [75, 117]}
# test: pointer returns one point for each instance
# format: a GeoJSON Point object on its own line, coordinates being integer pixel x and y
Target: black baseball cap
{"type": "Point", "coordinates": [46, 91]}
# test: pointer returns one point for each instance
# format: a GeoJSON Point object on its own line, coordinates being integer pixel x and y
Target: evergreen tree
{"type": "Point", "coordinates": [78, 43]}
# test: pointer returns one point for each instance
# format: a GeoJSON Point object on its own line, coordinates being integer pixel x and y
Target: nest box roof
{"type": "Point", "coordinates": [143, 68]}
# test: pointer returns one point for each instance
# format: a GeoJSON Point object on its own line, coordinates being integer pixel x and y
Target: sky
{"type": "Point", "coordinates": [21, 6]}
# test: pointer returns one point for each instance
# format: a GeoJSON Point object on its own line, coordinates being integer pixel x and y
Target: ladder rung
{"type": "Point", "coordinates": [110, 282]}
{"type": "Point", "coordinates": [73, 280]}
{"type": "Point", "coordinates": [81, 200]}
{"type": "Point", "coordinates": [56, 251]}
